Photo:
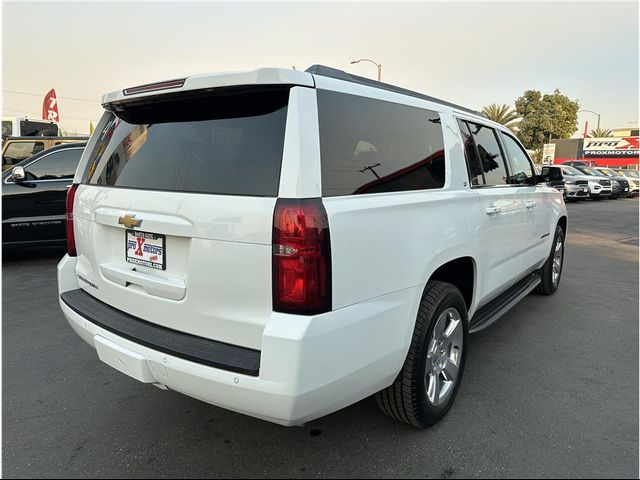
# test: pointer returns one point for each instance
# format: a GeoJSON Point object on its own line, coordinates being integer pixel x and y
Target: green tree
{"type": "Point", "coordinates": [544, 117]}
{"type": "Point", "coordinates": [600, 133]}
{"type": "Point", "coordinates": [502, 114]}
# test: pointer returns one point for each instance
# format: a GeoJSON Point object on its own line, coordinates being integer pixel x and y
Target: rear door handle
{"type": "Point", "coordinates": [492, 210]}
{"type": "Point", "coordinates": [530, 204]}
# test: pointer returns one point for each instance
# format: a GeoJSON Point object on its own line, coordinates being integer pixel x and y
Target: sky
{"type": "Point", "coordinates": [472, 54]}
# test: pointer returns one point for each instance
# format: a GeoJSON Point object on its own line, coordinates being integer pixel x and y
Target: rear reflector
{"type": "Point", "coordinates": [301, 257]}
{"type": "Point", "coordinates": [71, 239]}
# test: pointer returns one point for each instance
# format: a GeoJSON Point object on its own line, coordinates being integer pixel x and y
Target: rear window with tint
{"type": "Point", "coordinates": [374, 146]}
{"type": "Point", "coordinates": [29, 128]}
{"type": "Point", "coordinates": [229, 142]}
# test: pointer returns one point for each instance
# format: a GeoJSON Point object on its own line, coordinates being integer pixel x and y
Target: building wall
{"type": "Point", "coordinates": [625, 132]}
{"type": "Point", "coordinates": [570, 148]}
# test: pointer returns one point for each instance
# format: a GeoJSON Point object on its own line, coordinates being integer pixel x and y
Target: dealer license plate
{"type": "Point", "coordinates": [146, 249]}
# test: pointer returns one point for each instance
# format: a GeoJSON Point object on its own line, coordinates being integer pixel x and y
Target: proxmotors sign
{"type": "Point", "coordinates": [611, 147]}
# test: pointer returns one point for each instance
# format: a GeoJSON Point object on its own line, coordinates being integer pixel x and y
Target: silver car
{"type": "Point", "coordinates": [573, 183]}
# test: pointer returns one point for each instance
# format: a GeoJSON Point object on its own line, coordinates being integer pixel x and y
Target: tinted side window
{"type": "Point", "coordinates": [373, 146]}
{"type": "Point", "coordinates": [474, 166]}
{"type": "Point", "coordinates": [493, 166]}
{"type": "Point", "coordinates": [7, 128]}
{"type": "Point", "coordinates": [521, 171]}
{"type": "Point", "coordinates": [55, 166]}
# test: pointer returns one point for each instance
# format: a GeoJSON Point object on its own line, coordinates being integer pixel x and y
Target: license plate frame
{"type": "Point", "coordinates": [157, 249]}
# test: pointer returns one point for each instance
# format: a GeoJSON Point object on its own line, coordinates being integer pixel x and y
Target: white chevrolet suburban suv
{"type": "Point", "coordinates": [284, 244]}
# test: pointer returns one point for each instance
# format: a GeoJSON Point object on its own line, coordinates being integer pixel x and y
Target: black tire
{"type": "Point", "coordinates": [406, 399]}
{"type": "Point", "coordinates": [547, 285]}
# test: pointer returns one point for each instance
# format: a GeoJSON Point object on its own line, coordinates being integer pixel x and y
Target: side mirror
{"type": "Point", "coordinates": [18, 174]}
{"type": "Point", "coordinates": [542, 178]}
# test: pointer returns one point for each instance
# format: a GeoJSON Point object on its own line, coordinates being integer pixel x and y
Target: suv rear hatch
{"type": "Point", "coordinates": [173, 217]}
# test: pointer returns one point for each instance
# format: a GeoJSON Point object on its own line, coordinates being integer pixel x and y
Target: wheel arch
{"type": "Point", "coordinates": [460, 272]}
{"type": "Point", "coordinates": [562, 222]}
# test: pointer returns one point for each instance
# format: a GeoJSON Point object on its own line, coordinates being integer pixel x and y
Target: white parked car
{"type": "Point", "coordinates": [574, 179]}
{"type": "Point", "coordinates": [634, 180]}
{"type": "Point", "coordinates": [284, 244]}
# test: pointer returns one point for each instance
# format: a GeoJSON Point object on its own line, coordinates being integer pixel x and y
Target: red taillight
{"type": "Point", "coordinates": [71, 239]}
{"type": "Point", "coordinates": [301, 257]}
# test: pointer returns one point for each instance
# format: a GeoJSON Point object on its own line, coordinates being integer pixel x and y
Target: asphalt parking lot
{"type": "Point", "coordinates": [549, 391]}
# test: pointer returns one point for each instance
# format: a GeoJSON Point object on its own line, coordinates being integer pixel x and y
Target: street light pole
{"type": "Point", "coordinates": [595, 113]}
{"type": "Point", "coordinates": [378, 65]}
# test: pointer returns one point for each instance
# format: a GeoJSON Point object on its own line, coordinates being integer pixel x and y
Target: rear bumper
{"type": "Point", "coordinates": [309, 366]}
{"type": "Point", "coordinates": [189, 347]}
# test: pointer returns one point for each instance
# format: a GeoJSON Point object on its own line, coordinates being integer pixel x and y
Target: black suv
{"type": "Point", "coordinates": [34, 194]}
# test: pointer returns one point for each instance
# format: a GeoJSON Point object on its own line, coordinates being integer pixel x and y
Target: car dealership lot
{"type": "Point", "coordinates": [550, 390]}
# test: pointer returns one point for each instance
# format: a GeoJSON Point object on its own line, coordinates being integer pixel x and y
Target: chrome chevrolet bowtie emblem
{"type": "Point", "coordinates": [130, 221]}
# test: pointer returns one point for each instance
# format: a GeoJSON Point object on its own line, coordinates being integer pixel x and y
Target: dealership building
{"type": "Point", "coordinates": [621, 150]}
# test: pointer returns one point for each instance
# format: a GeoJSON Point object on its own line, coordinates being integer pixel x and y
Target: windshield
{"type": "Point", "coordinates": [571, 171]}
{"type": "Point", "coordinates": [607, 172]}
{"type": "Point", "coordinates": [591, 171]}
{"type": "Point", "coordinates": [628, 173]}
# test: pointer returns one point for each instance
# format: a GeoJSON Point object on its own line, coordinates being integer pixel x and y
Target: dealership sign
{"type": "Point", "coordinates": [548, 153]}
{"type": "Point", "coordinates": [611, 147]}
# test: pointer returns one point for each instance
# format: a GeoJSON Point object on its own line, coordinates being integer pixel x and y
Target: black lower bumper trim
{"type": "Point", "coordinates": [189, 347]}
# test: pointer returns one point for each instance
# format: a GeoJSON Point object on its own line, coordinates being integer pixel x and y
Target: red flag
{"type": "Point", "coordinates": [50, 106]}
{"type": "Point", "coordinates": [586, 129]}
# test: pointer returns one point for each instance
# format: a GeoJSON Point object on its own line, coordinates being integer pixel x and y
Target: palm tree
{"type": "Point", "coordinates": [502, 114]}
{"type": "Point", "coordinates": [600, 133]}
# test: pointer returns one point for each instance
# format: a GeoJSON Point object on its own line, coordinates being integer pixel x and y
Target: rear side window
{"type": "Point", "coordinates": [373, 146]}
{"type": "Point", "coordinates": [485, 160]}
{"type": "Point", "coordinates": [227, 143]}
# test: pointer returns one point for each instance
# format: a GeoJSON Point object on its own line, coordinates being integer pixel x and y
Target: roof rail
{"type": "Point", "coordinates": [347, 77]}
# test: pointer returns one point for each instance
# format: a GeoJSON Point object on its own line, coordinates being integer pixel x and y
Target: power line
{"type": "Point", "coordinates": [34, 116]}
{"type": "Point", "coordinates": [86, 100]}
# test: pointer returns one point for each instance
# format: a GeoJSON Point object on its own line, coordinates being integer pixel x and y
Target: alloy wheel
{"type": "Point", "coordinates": [443, 357]}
